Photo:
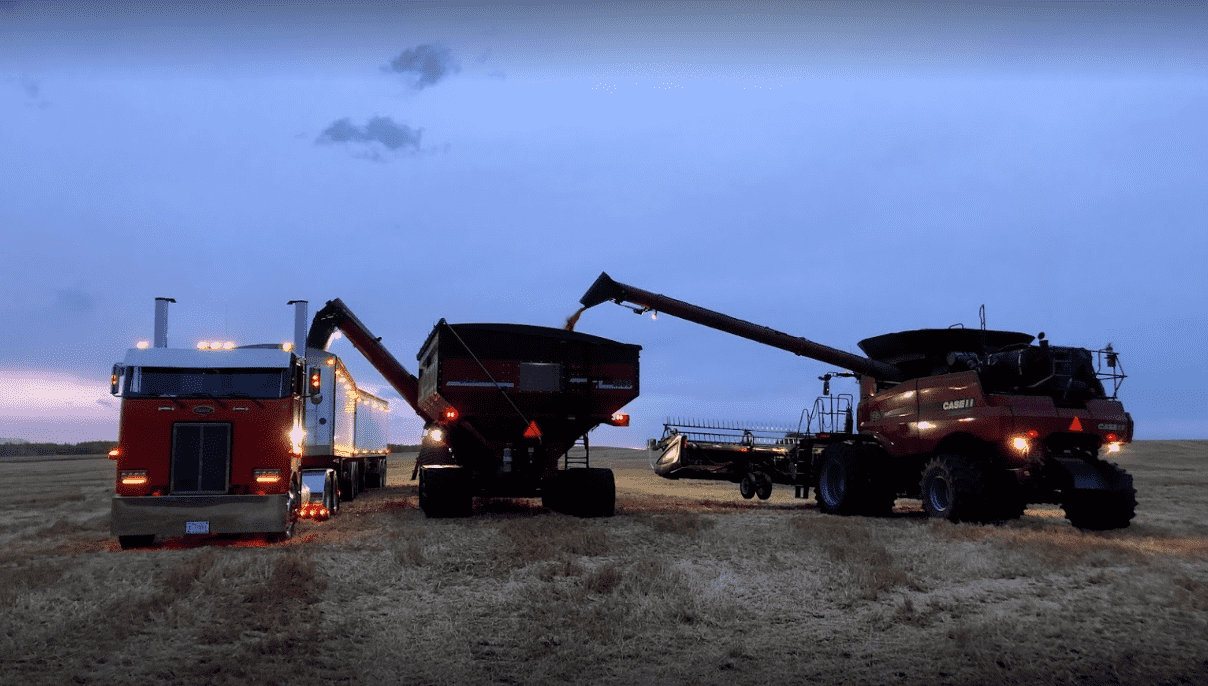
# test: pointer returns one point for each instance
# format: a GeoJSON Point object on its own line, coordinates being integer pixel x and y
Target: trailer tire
{"type": "Point", "coordinates": [746, 487]}
{"type": "Point", "coordinates": [763, 485]}
{"type": "Point", "coordinates": [958, 489]}
{"type": "Point", "coordinates": [135, 542]}
{"type": "Point", "coordinates": [1101, 510]}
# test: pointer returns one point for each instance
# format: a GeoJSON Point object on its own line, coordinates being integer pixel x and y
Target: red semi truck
{"type": "Point", "coordinates": [214, 439]}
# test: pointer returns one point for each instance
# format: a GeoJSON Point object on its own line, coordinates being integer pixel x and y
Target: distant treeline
{"type": "Point", "coordinates": [85, 448]}
{"type": "Point", "coordinates": [103, 448]}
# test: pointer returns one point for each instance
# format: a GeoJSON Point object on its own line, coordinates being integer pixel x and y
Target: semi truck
{"type": "Point", "coordinates": [214, 439]}
{"type": "Point", "coordinates": [975, 423]}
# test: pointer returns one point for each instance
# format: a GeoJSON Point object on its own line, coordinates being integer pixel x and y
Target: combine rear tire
{"type": "Point", "coordinates": [1100, 510]}
{"type": "Point", "coordinates": [445, 492]}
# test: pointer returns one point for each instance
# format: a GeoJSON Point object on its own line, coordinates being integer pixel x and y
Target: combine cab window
{"type": "Point", "coordinates": [235, 383]}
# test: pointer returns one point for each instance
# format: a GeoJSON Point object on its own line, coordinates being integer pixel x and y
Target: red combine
{"type": "Point", "coordinates": [503, 405]}
{"type": "Point", "coordinates": [976, 423]}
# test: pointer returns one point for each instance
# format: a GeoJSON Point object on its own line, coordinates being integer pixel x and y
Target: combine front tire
{"type": "Point", "coordinates": [842, 481]}
{"type": "Point", "coordinates": [763, 485]}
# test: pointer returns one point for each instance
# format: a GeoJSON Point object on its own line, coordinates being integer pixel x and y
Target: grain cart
{"type": "Point", "coordinates": [977, 423]}
{"type": "Point", "coordinates": [503, 404]}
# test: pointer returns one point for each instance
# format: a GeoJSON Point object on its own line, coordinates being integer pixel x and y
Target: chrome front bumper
{"type": "Point", "coordinates": [175, 515]}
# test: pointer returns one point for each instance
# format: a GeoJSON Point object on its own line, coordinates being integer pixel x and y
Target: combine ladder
{"type": "Point", "coordinates": [578, 454]}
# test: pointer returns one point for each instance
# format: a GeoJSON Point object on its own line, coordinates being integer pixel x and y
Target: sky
{"type": "Point", "coordinates": [832, 170]}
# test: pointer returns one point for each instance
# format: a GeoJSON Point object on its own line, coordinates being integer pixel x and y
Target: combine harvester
{"type": "Point", "coordinates": [503, 405]}
{"type": "Point", "coordinates": [975, 423]}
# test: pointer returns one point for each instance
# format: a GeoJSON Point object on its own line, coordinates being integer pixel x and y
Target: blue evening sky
{"type": "Point", "coordinates": [832, 170]}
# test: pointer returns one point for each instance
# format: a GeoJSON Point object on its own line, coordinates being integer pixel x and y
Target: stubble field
{"type": "Point", "coordinates": [688, 584]}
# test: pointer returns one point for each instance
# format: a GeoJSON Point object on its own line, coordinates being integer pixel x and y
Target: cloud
{"type": "Point", "coordinates": [426, 64]}
{"type": "Point", "coordinates": [74, 300]}
{"type": "Point", "coordinates": [379, 130]}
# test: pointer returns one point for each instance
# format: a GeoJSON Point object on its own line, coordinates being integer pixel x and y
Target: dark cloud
{"type": "Point", "coordinates": [379, 130]}
{"type": "Point", "coordinates": [74, 300]}
{"type": "Point", "coordinates": [426, 63]}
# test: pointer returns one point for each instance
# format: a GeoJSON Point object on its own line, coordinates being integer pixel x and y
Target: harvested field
{"type": "Point", "coordinates": [688, 584]}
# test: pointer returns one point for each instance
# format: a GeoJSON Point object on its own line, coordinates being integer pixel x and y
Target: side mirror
{"type": "Point", "coordinates": [115, 379]}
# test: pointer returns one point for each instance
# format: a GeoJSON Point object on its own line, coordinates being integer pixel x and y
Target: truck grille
{"type": "Point", "coordinates": [201, 457]}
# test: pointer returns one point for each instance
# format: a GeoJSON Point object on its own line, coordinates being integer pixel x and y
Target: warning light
{"type": "Point", "coordinates": [114, 453]}
{"type": "Point", "coordinates": [1112, 438]}
{"type": "Point", "coordinates": [533, 431]}
{"type": "Point", "coordinates": [316, 380]}
{"type": "Point", "coordinates": [143, 345]}
{"type": "Point", "coordinates": [450, 414]}
{"type": "Point", "coordinates": [619, 419]}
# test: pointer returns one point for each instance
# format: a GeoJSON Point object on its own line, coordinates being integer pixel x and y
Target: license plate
{"type": "Point", "coordinates": [197, 527]}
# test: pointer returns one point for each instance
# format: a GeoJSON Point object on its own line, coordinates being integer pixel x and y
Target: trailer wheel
{"type": "Point", "coordinates": [1100, 510]}
{"type": "Point", "coordinates": [843, 483]}
{"type": "Point", "coordinates": [445, 492]}
{"type": "Point", "coordinates": [746, 487]}
{"type": "Point", "coordinates": [134, 542]}
{"type": "Point", "coordinates": [763, 485]}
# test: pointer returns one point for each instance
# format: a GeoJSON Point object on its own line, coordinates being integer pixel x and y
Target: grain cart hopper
{"type": "Point", "coordinates": [976, 423]}
{"type": "Point", "coordinates": [503, 404]}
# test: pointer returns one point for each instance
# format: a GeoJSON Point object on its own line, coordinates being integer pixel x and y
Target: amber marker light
{"type": "Point", "coordinates": [266, 476]}
{"type": "Point", "coordinates": [143, 345]}
{"type": "Point", "coordinates": [114, 453]}
{"type": "Point", "coordinates": [133, 477]}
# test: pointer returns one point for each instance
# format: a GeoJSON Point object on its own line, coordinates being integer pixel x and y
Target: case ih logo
{"type": "Point", "coordinates": [962, 404]}
{"type": "Point", "coordinates": [1111, 427]}
{"type": "Point", "coordinates": [203, 409]}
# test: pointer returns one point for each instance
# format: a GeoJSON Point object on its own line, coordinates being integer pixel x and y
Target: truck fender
{"type": "Point", "coordinates": [1091, 475]}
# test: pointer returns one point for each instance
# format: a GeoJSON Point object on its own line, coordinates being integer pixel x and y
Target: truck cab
{"type": "Point", "coordinates": [209, 441]}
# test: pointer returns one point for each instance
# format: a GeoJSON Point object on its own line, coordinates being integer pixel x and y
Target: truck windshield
{"type": "Point", "coordinates": [151, 382]}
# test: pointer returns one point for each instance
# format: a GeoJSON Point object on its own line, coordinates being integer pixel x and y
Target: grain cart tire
{"type": "Point", "coordinates": [763, 485]}
{"type": "Point", "coordinates": [957, 489]}
{"type": "Point", "coordinates": [1100, 510]}
{"type": "Point", "coordinates": [590, 492]}
{"type": "Point", "coordinates": [444, 491]}
{"type": "Point", "coordinates": [134, 542]}
{"type": "Point", "coordinates": [842, 481]}
{"type": "Point", "coordinates": [746, 487]}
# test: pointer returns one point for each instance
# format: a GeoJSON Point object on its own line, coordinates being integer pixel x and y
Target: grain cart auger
{"type": "Point", "coordinates": [977, 423]}
{"type": "Point", "coordinates": [502, 405]}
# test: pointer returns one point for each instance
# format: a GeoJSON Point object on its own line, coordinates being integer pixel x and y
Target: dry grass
{"type": "Point", "coordinates": [703, 588]}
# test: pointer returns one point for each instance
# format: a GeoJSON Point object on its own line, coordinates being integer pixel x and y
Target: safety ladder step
{"type": "Point", "coordinates": [578, 455]}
